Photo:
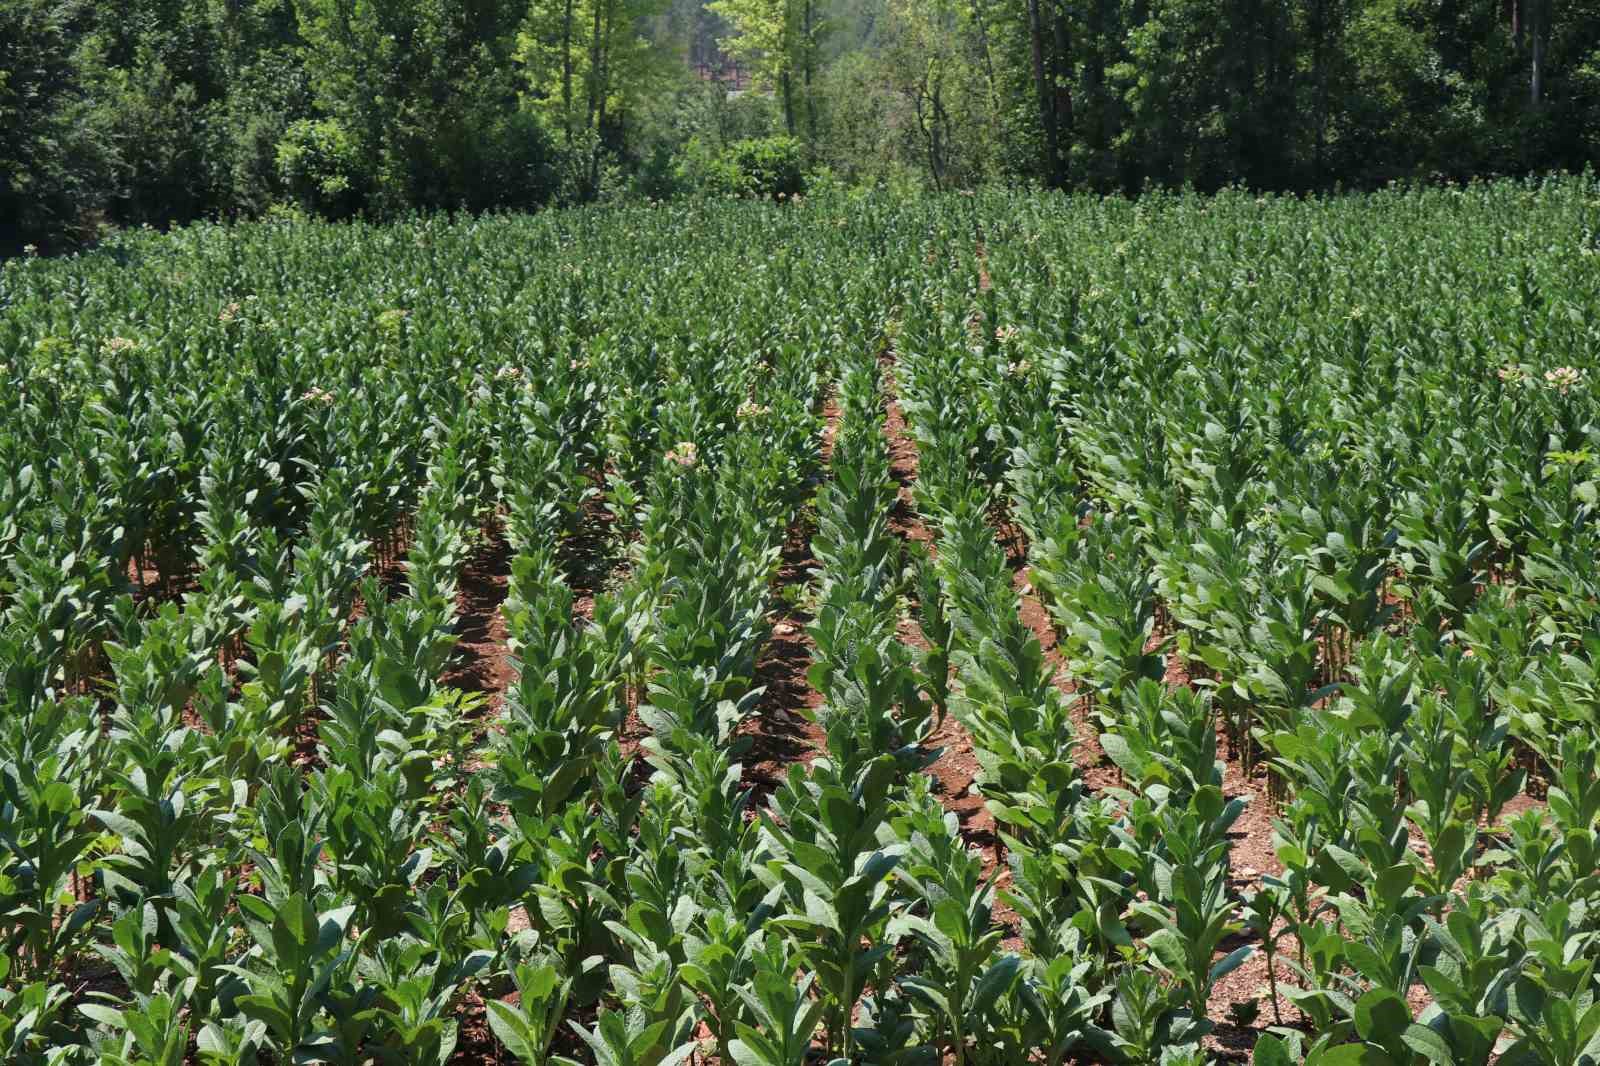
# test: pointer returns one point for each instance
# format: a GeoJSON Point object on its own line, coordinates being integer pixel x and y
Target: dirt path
{"type": "Point", "coordinates": [1097, 770]}
{"type": "Point", "coordinates": [782, 734]}
{"type": "Point", "coordinates": [783, 730]}
{"type": "Point", "coordinates": [956, 769]}
{"type": "Point", "coordinates": [482, 663]}
{"type": "Point", "coordinates": [1250, 848]}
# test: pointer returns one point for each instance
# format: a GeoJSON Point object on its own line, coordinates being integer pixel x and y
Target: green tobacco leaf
{"type": "Point", "coordinates": [1231, 961]}
{"type": "Point", "coordinates": [512, 1030]}
{"type": "Point", "coordinates": [1352, 1055]}
{"type": "Point", "coordinates": [1271, 1050]}
{"type": "Point", "coordinates": [1381, 1016]}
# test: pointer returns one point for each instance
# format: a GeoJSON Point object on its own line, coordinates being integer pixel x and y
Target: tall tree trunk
{"type": "Point", "coordinates": [1319, 63]}
{"type": "Point", "coordinates": [566, 71]}
{"type": "Point", "coordinates": [786, 90]}
{"type": "Point", "coordinates": [1060, 75]}
{"type": "Point", "coordinates": [1538, 33]}
{"type": "Point", "coordinates": [1094, 74]}
{"type": "Point", "coordinates": [1047, 120]}
{"type": "Point", "coordinates": [594, 69]}
{"type": "Point", "coordinates": [1249, 150]}
{"type": "Point", "coordinates": [347, 37]}
{"type": "Point", "coordinates": [597, 95]}
{"type": "Point", "coordinates": [808, 45]}
{"type": "Point", "coordinates": [930, 133]}
{"type": "Point", "coordinates": [986, 56]}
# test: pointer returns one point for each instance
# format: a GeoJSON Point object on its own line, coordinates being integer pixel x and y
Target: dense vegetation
{"type": "Point", "coordinates": [148, 111]}
{"type": "Point", "coordinates": [1307, 490]}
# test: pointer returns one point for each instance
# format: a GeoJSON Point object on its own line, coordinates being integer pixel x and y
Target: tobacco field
{"type": "Point", "coordinates": [980, 629]}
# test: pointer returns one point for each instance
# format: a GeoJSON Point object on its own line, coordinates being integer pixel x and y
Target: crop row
{"type": "Point", "coordinates": [1306, 490]}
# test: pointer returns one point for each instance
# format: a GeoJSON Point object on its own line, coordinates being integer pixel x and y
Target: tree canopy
{"type": "Point", "coordinates": [148, 111]}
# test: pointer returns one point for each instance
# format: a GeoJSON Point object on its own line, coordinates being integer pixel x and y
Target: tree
{"type": "Point", "coordinates": [780, 41]}
{"type": "Point", "coordinates": [937, 58]}
{"type": "Point", "coordinates": [583, 64]}
{"type": "Point", "coordinates": [56, 151]}
{"type": "Point", "coordinates": [430, 90]}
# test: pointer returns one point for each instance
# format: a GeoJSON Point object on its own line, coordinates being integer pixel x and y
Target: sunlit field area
{"type": "Point", "coordinates": [984, 629]}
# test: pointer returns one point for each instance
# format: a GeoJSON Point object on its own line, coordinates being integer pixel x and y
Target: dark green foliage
{"type": "Point", "coordinates": [319, 164]}
{"type": "Point", "coordinates": [51, 155]}
{"type": "Point", "coordinates": [763, 167]}
{"type": "Point", "coordinates": [1313, 479]}
{"type": "Point", "coordinates": [141, 112]}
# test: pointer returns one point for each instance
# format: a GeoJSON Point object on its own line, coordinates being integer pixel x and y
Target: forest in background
{"type": "Point", "coordinates": [131, 112]}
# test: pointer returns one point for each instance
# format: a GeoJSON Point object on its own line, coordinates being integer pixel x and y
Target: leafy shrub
{"type": "Point", "coordinates": [480, 161]}
{"type": "Point", "coordinates": [57, 151]}
{"type": "Point", "coordinates": [765, 167]}
{"type": "Point", "coordinates": [319, 163]}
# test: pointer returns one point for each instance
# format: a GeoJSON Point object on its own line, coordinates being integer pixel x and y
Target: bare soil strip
{"type": "Point", "coordinates": [956, 769]}
{"type": "Point", "coordinates": [784, 731]}
{"type": "Point", "coordinates": [481, 662]}
{"type": "Point", "coordinates": [1250, 848]}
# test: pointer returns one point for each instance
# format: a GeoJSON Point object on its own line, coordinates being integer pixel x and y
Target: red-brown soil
{"type": "Point", "coordinates": [782, 734]}
{"type": "Point", "coordinates": [481, 662]}
{"type": "Point", "coordinates": [784, 730]}
{"type": "Point", "coordinates": [955, 770]}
